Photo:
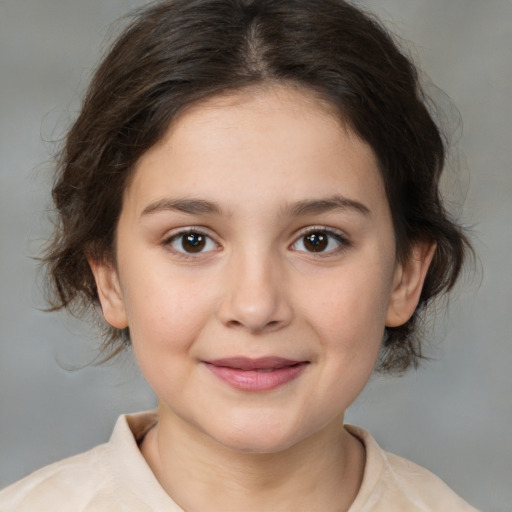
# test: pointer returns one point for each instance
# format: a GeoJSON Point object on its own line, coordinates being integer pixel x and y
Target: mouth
{"type": "Point", "coordinates": [260, 374]}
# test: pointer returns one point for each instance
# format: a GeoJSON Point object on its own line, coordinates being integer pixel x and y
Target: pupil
{"type": "Point", "coordinates": [316, 242]}
{"type": "Point", "coordinates": [193, 242]}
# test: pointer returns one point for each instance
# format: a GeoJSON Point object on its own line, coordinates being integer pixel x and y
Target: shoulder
{"type": "Point", "coordinates": [100, 480]}
{"type": "Point", "coordinates": [69, 484]}
{"type": "Point", "coordinates": [392, 483]}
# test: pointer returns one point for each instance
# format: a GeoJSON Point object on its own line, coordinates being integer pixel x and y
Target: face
{"type": "Point", "coordinates": [256, 269]}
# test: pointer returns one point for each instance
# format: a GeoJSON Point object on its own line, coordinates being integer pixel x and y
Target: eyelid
{"type": "Point", "coordinates": [174, 233]}
{"type": "Point", "coordinates": [337, 234]}
{"type": "Point", "coordinates": [180, 232]}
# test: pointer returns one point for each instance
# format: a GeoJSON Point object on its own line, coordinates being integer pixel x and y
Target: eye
{"type": "Point", "coordinates": [320, 241]}
{"type": "Point", "coordinates": [192, 242]}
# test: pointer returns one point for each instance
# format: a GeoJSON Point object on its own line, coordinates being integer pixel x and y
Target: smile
{"type": "Point", "coordinates": [261, 374]}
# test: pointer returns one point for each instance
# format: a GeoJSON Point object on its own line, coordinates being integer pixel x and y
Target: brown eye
{"type": "Point", "coordinates": [192, 242]}
{"type": "Point", "coordinates": [316, 242]}
{"type": "Point", "coordinates": [321, 241]}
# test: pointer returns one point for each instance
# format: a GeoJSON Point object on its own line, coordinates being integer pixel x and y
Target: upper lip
{"type": "Point", "coordinates": [261, 363]}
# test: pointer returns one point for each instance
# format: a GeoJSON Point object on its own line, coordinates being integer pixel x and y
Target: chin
{"type": "Point", "coordinates": [258, 437]}
{"type": "Point", "coordinates": [257, 445]}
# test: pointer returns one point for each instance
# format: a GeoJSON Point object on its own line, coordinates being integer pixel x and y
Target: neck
{"type": "Point", "coordinates": [322, 472]}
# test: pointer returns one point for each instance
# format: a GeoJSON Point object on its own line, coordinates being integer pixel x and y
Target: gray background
{"type": "Point", "coordinates": [453, 416]}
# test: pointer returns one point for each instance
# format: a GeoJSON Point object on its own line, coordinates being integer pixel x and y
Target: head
{"type": "Point", "coordinates": [178, 55]}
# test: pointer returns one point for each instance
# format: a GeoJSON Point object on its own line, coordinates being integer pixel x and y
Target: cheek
{"type": "Point", "coordinates": [349, 322]}
{"type": "Point", "coordinates": [353, 307]}
{"type": "Point", "coordinates": [165, 317]}
{"type": "Point", "coordinates": [353, 322]}
{"type": "Point", "coordinates": [164, 331]}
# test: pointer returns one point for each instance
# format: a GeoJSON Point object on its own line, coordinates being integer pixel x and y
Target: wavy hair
{"type": "Point", "coordinates": [178, 52]}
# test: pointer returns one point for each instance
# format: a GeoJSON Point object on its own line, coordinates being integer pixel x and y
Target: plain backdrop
{"type": "Point", "coordinates": [453, 416]}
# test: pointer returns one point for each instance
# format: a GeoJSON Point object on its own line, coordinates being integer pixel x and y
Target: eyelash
{"type": "Point", "coordinates": [168, 242]}
{"type": "Point", "coordinates": [342, 241]}
{"type": "Point", "coordinates": [330, 234]}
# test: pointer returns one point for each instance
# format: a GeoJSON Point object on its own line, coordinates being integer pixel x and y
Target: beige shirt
{"type": "Point", "coordinates": [115, 477]}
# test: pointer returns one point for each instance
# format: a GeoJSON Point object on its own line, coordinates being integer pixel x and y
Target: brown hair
{"type": "Point", "coordinates": [179, 52]}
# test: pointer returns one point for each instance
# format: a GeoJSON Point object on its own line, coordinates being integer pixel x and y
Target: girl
{"type": "Point", "coordinates": [250, 199]}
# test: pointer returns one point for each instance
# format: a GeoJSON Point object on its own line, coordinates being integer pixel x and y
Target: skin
{"type": "Point", "coordinates": [254, 291]}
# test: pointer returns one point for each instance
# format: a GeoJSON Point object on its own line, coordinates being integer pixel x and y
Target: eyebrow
{"type": "Point", "coordinates": [190, 206]}
{"type": "Point", "coordinates": [317, 206]}
{"type": "Point", "coordinates": [296, 209]}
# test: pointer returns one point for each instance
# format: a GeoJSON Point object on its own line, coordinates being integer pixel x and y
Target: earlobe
{"type": "Point", "coordinates": [109, 293]}
{"type": "Point", "coordinates": [408, 283]}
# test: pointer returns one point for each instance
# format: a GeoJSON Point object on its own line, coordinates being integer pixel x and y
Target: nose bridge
{"type": "Point", "coordinates": [255, 296]}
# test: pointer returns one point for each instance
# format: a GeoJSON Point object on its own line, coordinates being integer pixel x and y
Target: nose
{"type": "Point", "coordinates": [255, 297]}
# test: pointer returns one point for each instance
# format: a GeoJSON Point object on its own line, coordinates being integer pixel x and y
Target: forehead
{"type": "Point", "coordinates": [274, 143]}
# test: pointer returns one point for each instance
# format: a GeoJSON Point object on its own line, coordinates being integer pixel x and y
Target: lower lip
{"type": "Point", "coordinates": [254, 380]}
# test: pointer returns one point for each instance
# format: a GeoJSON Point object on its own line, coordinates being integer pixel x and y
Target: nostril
{"type": "Point", "coordinates": [269, 326]}
{"type": "Point", "coordinates": [234, 323]}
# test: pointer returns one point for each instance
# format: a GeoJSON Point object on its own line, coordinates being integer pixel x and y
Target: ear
{"type": "Point", "coordinates": [109, 292]}
{"type": "Point", "coordinates": [408, 283]}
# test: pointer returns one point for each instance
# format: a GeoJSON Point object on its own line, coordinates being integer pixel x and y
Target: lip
{"type": "Point", "coordinates": [261, 374]}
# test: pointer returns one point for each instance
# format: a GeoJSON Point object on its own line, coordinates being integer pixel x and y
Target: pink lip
{"type": "Point", "coordinates": [260, 374]}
